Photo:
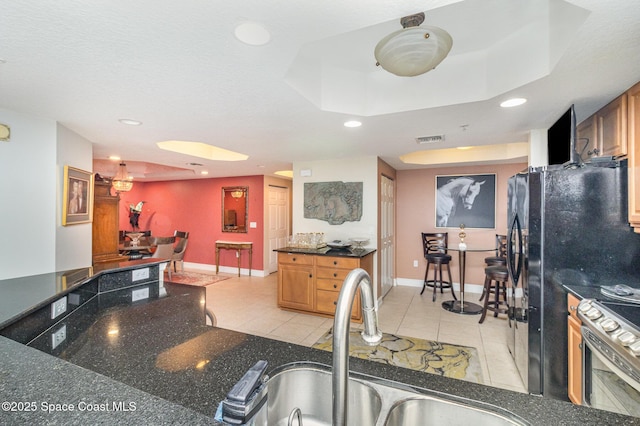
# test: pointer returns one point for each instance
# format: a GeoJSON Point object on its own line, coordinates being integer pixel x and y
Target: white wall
{"type": "Point", "coordinates": [28, 181]}
{"type": "Point", "coordinates": [363, 170]}
{"type": "Point", "coordinates": [73, 242]}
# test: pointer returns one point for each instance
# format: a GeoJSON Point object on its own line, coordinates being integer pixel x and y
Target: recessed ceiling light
{"type": "Point", "coordinates": [204, 172]}
{"type": "Point", "coordinates": [252, 33]}
{"type": "Point", "coordinates": [513, 102]}
{"type": "Point", "coordinates": [114, 157]}
{"type": "Point", "coordinates": [352, 123]}
{"type": "Point", "coordinates": [130, 122]}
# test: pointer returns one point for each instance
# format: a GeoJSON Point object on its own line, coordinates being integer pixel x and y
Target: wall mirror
{"type": "Point", "coordinates": [235, 208]}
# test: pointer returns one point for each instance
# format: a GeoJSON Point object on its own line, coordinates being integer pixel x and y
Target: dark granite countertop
{"type": "Point", "coordinates": [328, 251]}
{"type": "Point", "coordinates": [160, 354]}
{"type": "Point", "coordinates": [23, 295]}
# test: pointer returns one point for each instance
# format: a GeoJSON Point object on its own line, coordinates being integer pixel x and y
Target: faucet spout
{"type": "Point", "coordinates": [358, 278]}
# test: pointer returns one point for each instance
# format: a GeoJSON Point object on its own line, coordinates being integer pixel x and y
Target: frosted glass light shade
{"type": "Point", "coordinates": [413, 51]}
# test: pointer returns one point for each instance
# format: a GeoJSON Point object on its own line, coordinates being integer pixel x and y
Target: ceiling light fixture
{"type": "Point", "coordinates": [122, 182]}
{"type": "Point", "coordinates": [252, 33]}
{"type": "Point", "coordinates": [413, 50]}
{"type": "Point", "coordinates": [513, 102]}
{"type": "Point", "coordinates": [352, 123]}
{"type": "Point", "coordinates": [130, 122]}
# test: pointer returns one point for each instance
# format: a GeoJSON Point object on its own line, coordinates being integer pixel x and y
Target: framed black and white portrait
{"type": "Point", "coordinates": [466, 199]}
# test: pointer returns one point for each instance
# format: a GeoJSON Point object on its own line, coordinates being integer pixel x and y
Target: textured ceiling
{"type": "Point", "coordinates": [177, 67]}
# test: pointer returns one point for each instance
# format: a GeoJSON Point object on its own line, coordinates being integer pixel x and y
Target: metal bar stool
{"type": "Point", "coordinates": [435, 251]}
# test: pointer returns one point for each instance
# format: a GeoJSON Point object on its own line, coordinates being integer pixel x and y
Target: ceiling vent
{"type": "Point", "coordinates": [429, 139]}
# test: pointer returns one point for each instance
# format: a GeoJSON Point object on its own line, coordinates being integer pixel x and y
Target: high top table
{"type": "Point", "coordinates": [238, 246]}
{"type": "Point", "coordinates": [460, 306]}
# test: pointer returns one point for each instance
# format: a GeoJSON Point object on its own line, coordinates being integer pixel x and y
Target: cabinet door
{"type": "Point", "coordinates": [612, 127]}
{"type": "Point", "coordinates": [633, 130]}
{"type": "Point", "coordinates": [574, 352]}
{"type": "Point", "coordinates": [587, 143]}
{"type": "Point", "coordinates": [295, 287]}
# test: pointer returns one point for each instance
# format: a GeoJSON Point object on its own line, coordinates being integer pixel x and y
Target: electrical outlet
{"type": "Point", "coordinates": [141, 293]}
{"type": "Point", "coordinates": [58, 336]}
{"type": "Point", "coordinates": [59, 307]}
{"type": "Point", "coordinates": [140, 274]}
{"type": "Point", "coordinates": [415, 263]}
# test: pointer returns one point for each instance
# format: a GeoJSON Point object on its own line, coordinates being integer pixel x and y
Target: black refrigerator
{"type": "Point", "coordinates": [565, 227]}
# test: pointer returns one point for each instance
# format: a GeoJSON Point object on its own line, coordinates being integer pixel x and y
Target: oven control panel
{"type": "Point", "coordinates": [614, 336]}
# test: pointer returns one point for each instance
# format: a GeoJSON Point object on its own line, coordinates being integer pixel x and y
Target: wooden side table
{"type": "Point", "coordinates": [238, 246]}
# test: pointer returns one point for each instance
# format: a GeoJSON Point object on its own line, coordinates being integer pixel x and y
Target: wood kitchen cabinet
{"type": "Point", "coordinates": [296, 281]}
{"type": "Point", "coordinates": [633, 140]}
{"type": "Point", "coordinates": [312, 282]}
{"type": "Point", "coordinates": [574, 336]}
{"type": "Point", "coordinates": [605, 131]}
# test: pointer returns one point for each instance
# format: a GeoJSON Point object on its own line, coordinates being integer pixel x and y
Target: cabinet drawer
{"type": "Point", "coordinates": [328, 284]}
{"type": "Point", "coordinates": [295, 259]}
{"type": "Point", "coordinates": [332, 273]}
{"type": "Point", "coordinates": [338, 262]}
{"type": "Point", "coordinates": [326, 303]}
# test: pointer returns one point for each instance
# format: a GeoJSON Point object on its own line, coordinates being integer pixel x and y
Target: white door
{"type": "Point", "coordinates": [387, 224]}
{"type": "Point", "coordinates": [278, 223]}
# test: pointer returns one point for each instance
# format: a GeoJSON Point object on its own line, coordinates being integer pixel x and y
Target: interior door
{"type": "Point", "coordinates": [387, 225]}
{"type": "Point", "coordinates": [278, 223]}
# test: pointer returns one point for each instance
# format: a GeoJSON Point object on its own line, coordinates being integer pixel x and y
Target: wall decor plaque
{"type": "Point", "coordinates": [333, 202]}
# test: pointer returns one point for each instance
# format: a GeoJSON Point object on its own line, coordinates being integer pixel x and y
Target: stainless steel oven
{"type": "Point", "coordinates": [611, 356]}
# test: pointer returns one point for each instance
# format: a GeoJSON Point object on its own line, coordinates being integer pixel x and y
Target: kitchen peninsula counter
{"type": "Point", "coordinates": [175, 369]}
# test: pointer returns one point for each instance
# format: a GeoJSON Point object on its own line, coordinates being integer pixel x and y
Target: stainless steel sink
{"type": "Point", "coordinates": [432, 411]}
{"type": "Point", "coordinates": [372, 402]}
{"type": "Point", "coordinates": [308, 387]}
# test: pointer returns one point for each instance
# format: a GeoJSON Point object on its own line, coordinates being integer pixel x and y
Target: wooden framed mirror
{"type": "Point", "coordinates": [235, 208]}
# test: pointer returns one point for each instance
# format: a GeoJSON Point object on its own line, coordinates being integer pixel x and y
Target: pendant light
{"type": "Point", "coordinates": [121, 181]}
{"type": "Point", "coordinates": [413, 50]}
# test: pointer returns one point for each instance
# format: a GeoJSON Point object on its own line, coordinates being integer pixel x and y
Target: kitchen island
{"type": "Point", "coordinates": [310, 279]}
{"type": "Point", "coordinates": [155, 361]}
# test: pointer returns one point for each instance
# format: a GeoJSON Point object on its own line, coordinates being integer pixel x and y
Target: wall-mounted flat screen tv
{"type": "Point", "coordinates": [561, 140]}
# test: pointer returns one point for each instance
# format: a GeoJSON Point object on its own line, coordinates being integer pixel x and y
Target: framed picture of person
{"type": "Point", "coordinates": [77, 202]}
{"type": "Point", "coordinates": [466, 199]}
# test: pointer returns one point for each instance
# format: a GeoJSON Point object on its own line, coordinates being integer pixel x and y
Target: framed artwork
{"type": "Point", "coordinates": [466, 199]}
{"type": "Point", "coordinates": [77, 201]}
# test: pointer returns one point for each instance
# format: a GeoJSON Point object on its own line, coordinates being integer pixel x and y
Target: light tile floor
{"type": "Point", "coordinates": [249, 305]}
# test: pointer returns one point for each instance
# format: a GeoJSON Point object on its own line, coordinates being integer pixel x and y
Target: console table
{"type": "Point", "coordinates": [238, 247]}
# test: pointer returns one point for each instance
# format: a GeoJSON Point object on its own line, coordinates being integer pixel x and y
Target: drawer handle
{"type": "Point", "coordinates": [335, 286]}
{"type": "Point", "coordinates": [293, 259]}
{"type": "Point", "coordinates": [335, 262]}
{"type": "Point", "coordinates": [335, 302]}
{"type": "Point", "coordinates": [335, 275]}
{"type": "Point", "coordinates": [310, 275]}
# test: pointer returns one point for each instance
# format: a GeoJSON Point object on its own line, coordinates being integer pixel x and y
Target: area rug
{"type": "Point", "coordinates": [444, 359]}
{"type": "Point", "coordinates": [193, 278]}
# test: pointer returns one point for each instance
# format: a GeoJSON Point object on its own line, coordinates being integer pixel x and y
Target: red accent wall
{"type": "Point", "coordinates": [196, 206]}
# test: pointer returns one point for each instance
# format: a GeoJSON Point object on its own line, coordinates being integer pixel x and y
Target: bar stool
{"type": "Point", "coordinates": [435, 251]}
{"type": "Point", "coordinates": [495, 283]}
{"type": "Point", "coordinates": [500, 259]}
